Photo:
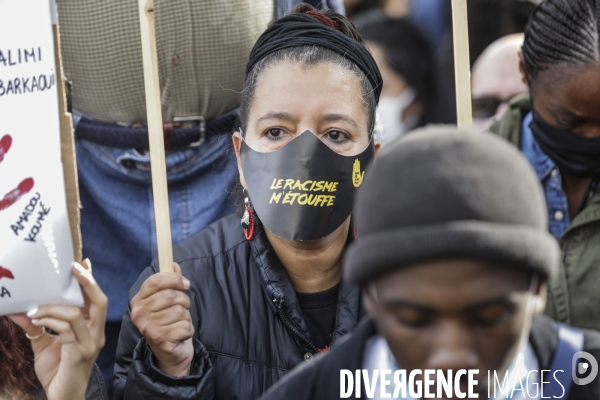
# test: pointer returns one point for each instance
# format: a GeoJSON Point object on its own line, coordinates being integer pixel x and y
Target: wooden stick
{"type": "Point", "coordinates": [67, 147]}
{"type": "Point", "coordinates": [462, 69]}
{"type": "Point", "coordinates": [155, 137]}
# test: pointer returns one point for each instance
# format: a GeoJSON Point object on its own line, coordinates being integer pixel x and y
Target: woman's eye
{"type": "Point", "coordinates": [274, 133]}
{"type": "Point", "coordinates": [566, 125]}
{"type": "Point", "coordinates": [337, 136]}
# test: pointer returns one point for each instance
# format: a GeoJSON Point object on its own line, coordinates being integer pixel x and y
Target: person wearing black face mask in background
{"type": "Point", "coordinates": [557, 127]}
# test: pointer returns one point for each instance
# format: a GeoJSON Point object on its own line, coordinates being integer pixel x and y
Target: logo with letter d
{"type": "Point", "coordinates": [581, 367]}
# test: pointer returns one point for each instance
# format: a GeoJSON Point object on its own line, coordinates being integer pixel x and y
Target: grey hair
{"type": "Point", "coordinates": [306, 56]}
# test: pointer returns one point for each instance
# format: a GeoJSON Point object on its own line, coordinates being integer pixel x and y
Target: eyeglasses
{"type": "Point", "coordinates": [486, 107]}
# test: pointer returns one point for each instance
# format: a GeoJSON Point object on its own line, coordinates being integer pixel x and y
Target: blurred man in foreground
{"type": "Point", "coordinates": [496, 79]}
{"type": "Point", "coordinates": [452, 259]}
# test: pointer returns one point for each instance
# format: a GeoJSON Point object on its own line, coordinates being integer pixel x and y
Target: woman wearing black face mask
{"type": "Point", "coordinates": [557, 127]}
{"type": "Point", "coordinates": [249, 302]}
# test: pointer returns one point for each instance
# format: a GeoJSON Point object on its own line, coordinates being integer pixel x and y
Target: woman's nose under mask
{"type": "Point", "coordinates": [574, 154]}
{"type": "Point", "coordinates": [304, 190]}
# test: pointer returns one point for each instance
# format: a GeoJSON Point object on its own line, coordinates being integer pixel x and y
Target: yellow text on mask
{"type": "Point", "coordinates": [294, 195]}
{"type": "Point", "coordinates": [306, 186]}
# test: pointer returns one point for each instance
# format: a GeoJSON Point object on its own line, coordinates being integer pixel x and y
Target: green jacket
{"type": "Point", "coordinates": [574, 293]}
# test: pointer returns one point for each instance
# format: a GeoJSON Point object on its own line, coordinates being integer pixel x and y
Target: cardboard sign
{"type": "Point", "coordinates": [36, 250]}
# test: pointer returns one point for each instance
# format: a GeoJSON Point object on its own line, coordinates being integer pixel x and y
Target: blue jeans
{"type": "Point", "coordinates": [430, 16]}
{"type": "Point", "coordinates": [117, 218]}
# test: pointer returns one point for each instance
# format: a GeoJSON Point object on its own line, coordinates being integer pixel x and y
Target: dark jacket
{"type": "Point", "coordinates": [95, 390]}
{"type": "Point", "coordinates": [321, 379]}
{"type": "Point", "coordinates": [573, 294]}
{"type": "Point", "coordinates": [249, 326]}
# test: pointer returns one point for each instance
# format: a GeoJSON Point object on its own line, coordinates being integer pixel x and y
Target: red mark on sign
{"type": "Point", "coordinates": [14, 195]}
{"type": "Point", "coordinates": [5, 273]}
{"type": "Point", "coordinates": [5, 143]}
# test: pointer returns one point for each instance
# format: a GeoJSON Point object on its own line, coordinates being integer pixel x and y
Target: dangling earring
{"type": "Point", "coordinates": [248, 219]}
{"type": "Point", "coordinates": [355, 231]}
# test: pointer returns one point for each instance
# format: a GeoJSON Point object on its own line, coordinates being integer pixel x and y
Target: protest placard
{"type": "Point", "coordinates": [36, 250]}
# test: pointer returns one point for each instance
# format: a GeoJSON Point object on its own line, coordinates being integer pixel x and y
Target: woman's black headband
{"type": "Point", "coordinates": [301, 30]}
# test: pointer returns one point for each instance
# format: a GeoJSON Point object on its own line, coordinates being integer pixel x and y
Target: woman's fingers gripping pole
{"type": "Point", "coordinates": [96, 302]}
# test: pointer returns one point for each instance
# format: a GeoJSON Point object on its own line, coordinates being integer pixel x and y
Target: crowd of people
{"type": "Point", "coordinates": [324, 218]}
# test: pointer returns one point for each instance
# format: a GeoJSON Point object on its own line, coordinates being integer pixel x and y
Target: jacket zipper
{"type": "Point", "coordinates": [285, 319]}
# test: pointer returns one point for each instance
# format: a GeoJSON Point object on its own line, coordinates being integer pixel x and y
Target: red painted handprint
{"type": "Point", "coordinates": [5, 273]}
{"type": "Point", "coordinates": [14, 195]}
{"type": "Point", "coordinates": [5, 143]}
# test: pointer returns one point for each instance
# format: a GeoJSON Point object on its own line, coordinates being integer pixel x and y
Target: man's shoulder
{"type": "Point", "coordinates": [544, 338]}
{"type": "Point", "coordinates": [509, 126]}
{"type": "Point", "coordinates": [591, 343]}
{"type": "Point", "coordinates": [319, 379]}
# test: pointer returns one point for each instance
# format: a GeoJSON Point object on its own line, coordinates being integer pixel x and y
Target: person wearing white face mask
{"type": "Point", "coordinates": [393, 122]}
{"type": "Point", "coordinates": [406, 61]}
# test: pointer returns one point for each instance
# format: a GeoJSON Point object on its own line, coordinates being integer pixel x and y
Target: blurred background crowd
{"type": "Point", "coordinates": [412, 44]}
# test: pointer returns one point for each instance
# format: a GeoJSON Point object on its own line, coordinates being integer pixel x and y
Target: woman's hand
{"type": "Point", "coordinates": [64, 362]}
{"type": "Point", "coordinates": [160, 310]}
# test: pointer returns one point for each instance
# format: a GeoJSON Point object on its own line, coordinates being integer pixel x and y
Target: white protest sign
{"type": "Point", "coordinates": [36, 250]}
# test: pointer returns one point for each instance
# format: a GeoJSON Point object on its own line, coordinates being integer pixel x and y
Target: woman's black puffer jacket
{"type": "Point", "coordinates": [249, 326]}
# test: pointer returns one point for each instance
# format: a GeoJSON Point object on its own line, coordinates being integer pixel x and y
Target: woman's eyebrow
{"type": "Point", "coordinates": [338, 117]}
{"type": "Point", "coordinates": [557, 108]}
{"type": "Point", "coordinates": [281, 116]}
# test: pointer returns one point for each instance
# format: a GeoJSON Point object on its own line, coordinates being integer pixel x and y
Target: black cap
{"type": "Point", "coordinates": [443, 193]}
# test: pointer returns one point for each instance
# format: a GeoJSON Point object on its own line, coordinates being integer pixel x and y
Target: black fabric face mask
{"type": "Point", "coordinates": [304, 190]}
{"type": "Point", "coordinates": [572, 153]}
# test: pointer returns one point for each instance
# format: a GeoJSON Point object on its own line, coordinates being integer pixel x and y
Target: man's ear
{"type": "Point", "coordinates": [368, 300]}
{"type": "Point", "coordinates": [524, 77]}
{"type": "Point", "coordinates": [237, 145]}
{"type": "Point", "coordinates": [540, 299]}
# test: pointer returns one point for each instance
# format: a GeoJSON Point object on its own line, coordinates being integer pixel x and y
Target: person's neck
{"type": "Point", "coordinates": [576, 189]}
{"type": "Point", "coordinates": [313, 266]}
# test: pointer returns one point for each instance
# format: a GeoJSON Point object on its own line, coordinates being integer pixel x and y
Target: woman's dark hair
{"type": "Point", "coordinates": [562, 32]}
{"type": "Point", "coordinates": [308, 56]}
{"type": "Point", "coordinates": [408, 52]}
{"type": "Point", "coordinates": [17, 373]}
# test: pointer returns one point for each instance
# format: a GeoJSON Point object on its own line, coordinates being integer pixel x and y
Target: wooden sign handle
{"type": "Point", "coordinates": [462, 68]}
{"type": "Point", "coordinates": [155, 137]}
